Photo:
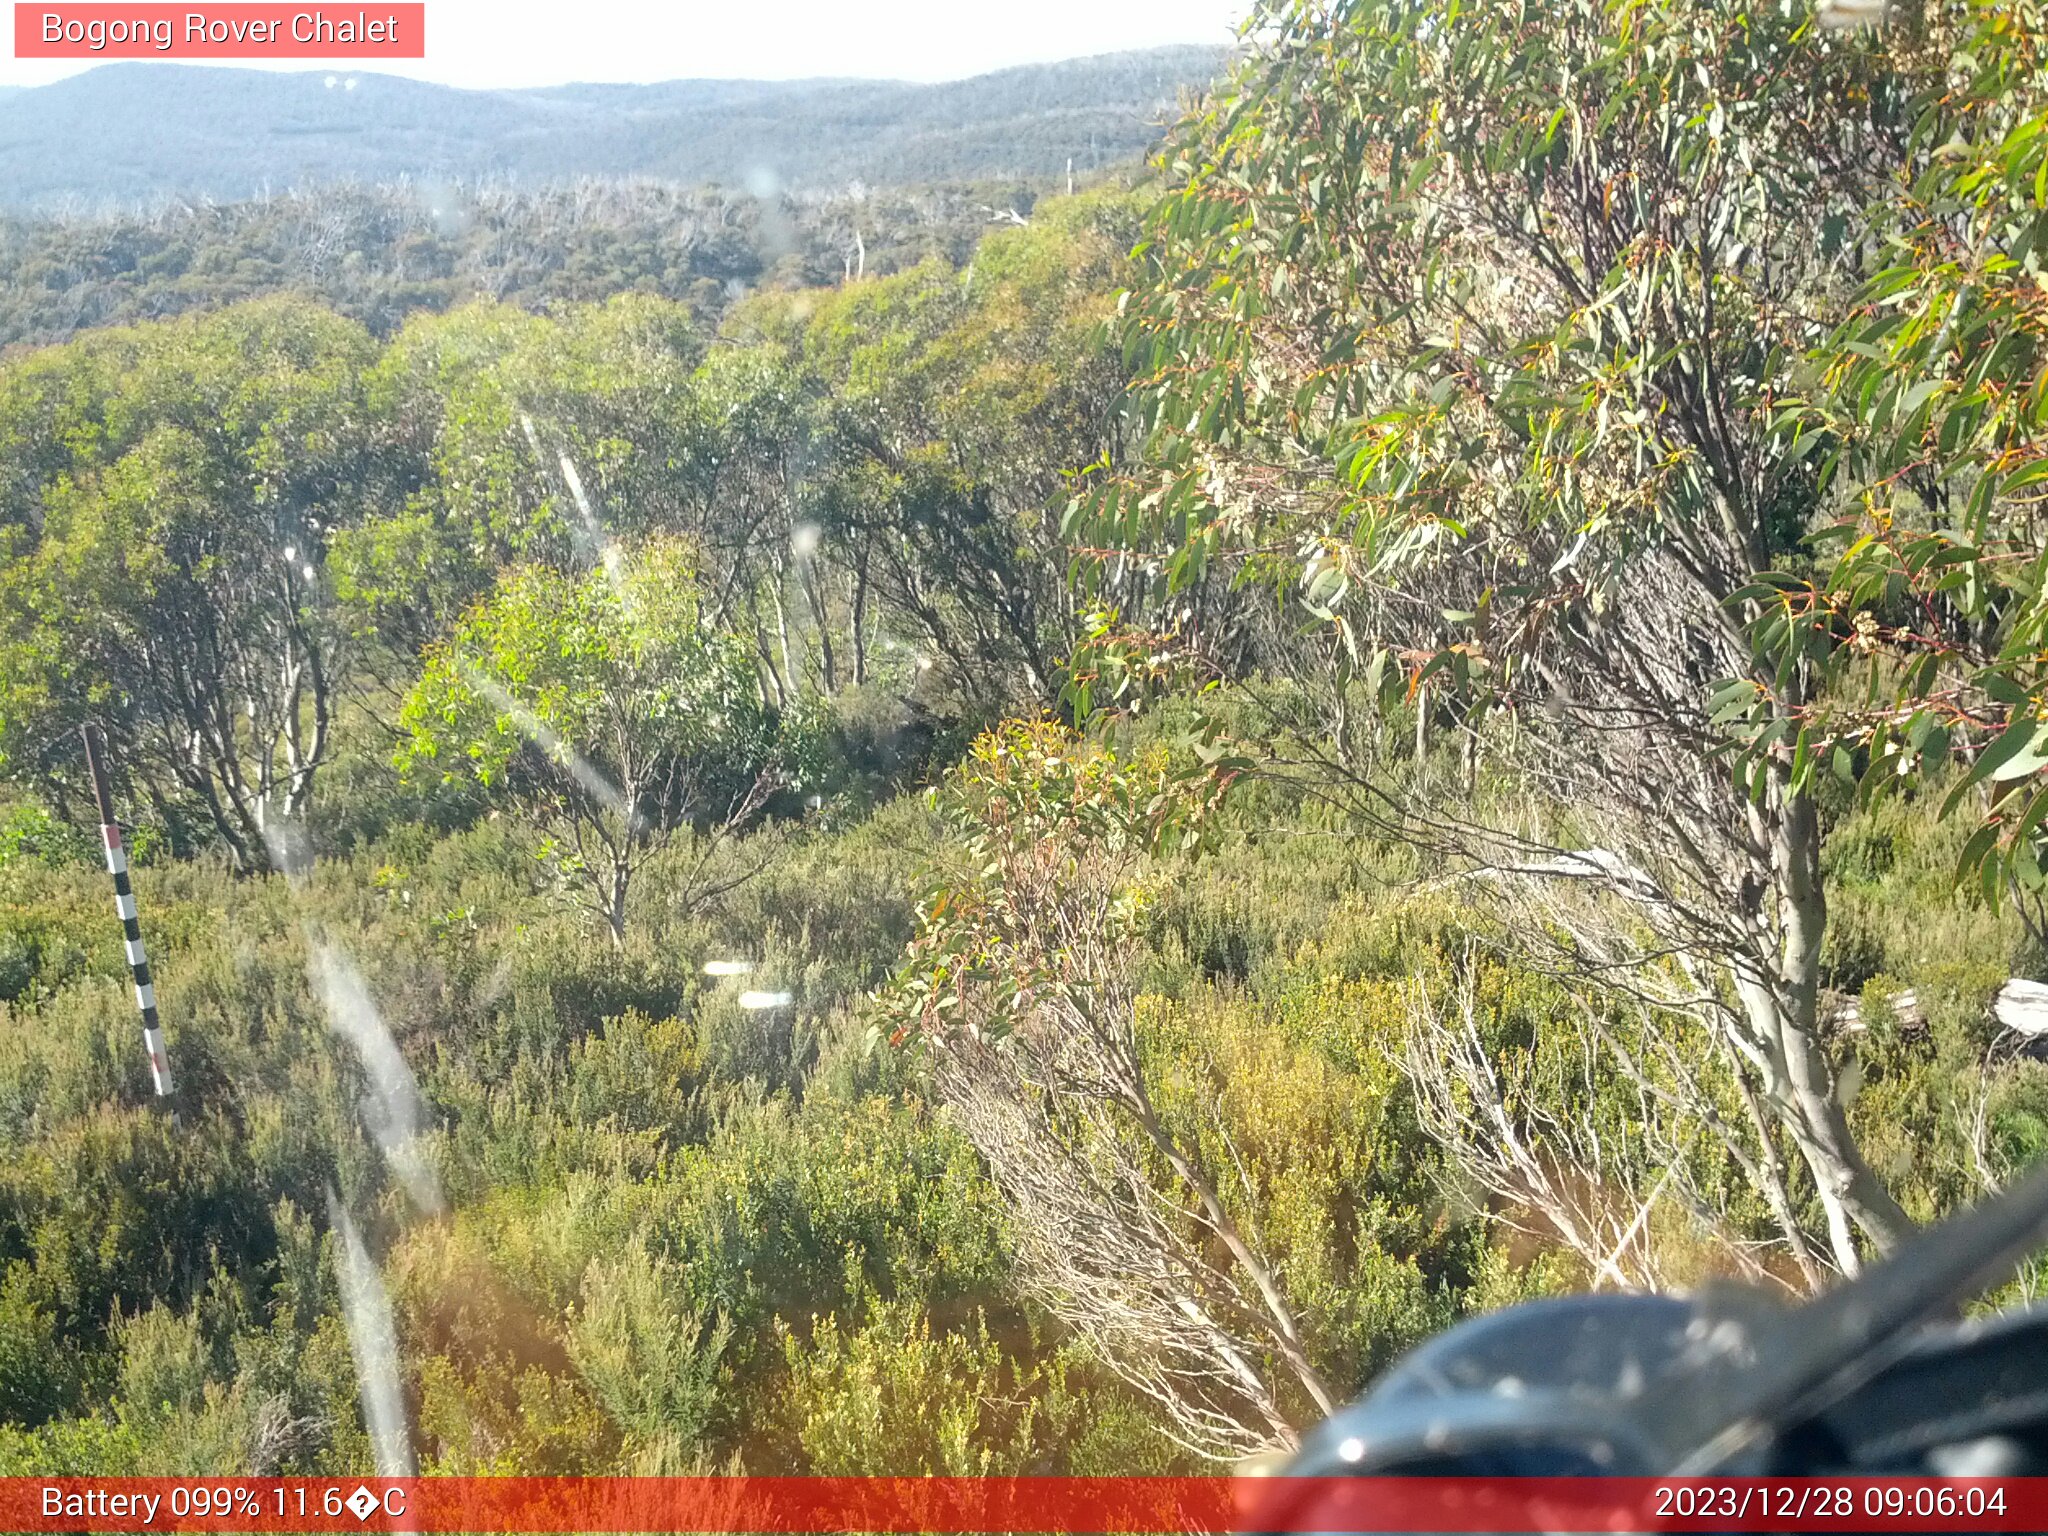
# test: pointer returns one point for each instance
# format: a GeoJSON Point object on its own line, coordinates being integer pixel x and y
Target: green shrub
{"type": "Point", "coordinates": [37, 1373]}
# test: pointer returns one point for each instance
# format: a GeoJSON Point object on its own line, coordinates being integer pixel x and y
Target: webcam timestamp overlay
{"type": "Point", "coordinates": [803, 1506]}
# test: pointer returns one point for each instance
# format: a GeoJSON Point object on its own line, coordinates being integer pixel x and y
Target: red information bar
{"type": "Point", "coordinates": [796, 1506]}
{"type": "Point", "coordinates": [376, 30]}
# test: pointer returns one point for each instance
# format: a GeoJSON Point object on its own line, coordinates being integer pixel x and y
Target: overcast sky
{"type": "Point", "coordinates": [487, 43]}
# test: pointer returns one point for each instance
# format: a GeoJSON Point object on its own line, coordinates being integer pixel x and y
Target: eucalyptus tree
{"type": "Point", "coordinates": [167, 526]}
{"type": "Point", "coordinates": [1489, 337]}
{"type": "Point", "coordinates": [909, 436]}
{"type": "Point", "coordinates": [603, 709]}
{"type": "Point", "coordinates": [1930, 622]}
{"type": "Point", "coordinates": [518, 437]}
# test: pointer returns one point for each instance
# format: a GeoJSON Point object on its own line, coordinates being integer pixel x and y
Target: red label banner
{"type": "Point", "coordinates": [224, 31]}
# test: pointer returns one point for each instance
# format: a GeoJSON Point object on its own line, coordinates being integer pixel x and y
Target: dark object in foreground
{"type": "Point", "coordinates": [1872, 1378]}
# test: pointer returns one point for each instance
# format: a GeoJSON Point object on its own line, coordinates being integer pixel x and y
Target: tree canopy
{"type": "Point", "coordinates": [603, 709]}
{"type": "Point", "coordinates": [167, 544]}
{"type": "Point", "coordinates": [1528, 351]}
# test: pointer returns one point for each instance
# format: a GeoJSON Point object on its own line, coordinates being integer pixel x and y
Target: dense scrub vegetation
{"type": "Point", "coordinates": [663, 1230]}
{"type": "Point", "coordinates": [775, 882]}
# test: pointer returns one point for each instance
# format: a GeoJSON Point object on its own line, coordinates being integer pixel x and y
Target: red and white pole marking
{"type": "Point", "coordinates": [124, 904]}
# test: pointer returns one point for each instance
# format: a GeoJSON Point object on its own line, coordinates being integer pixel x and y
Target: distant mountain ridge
{"type": "Point", "coordinates": [134, 132]}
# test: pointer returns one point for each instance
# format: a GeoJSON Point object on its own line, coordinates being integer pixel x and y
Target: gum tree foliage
{"type": "Point", "coordinates": [1487, 336]}
{"type": "Point", "coordinates": [492, 411]}
{"type": "Point", "coordinates": [757, 442]}
{"type": "Point", "coordinates": [169, 496]}
{"type": "Point", "coordinates": [1928, 620]}
{"type": "Point", "coordinates": [917, 428]}
{"type": "Point", "coordinates": [866, 473]}
{"type": "Point", "coordinates": [598, 706]}
{"type": "Point", "coordinates": [959, 401]}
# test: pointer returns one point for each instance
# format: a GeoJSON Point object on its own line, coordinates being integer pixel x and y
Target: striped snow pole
{"type": "Point", "coordinates": [124, 903]}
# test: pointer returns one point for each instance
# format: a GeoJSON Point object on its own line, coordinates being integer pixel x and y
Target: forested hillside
{"type": "Point", "coordinates": [1038, 861]}
{"type": "Point", "coordinates": [143, 133]}
{"type": "Point", "coordinates": [380, 254]}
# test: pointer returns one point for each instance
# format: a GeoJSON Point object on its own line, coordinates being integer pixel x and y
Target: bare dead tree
{"type": "Point", "coordinates": [1550, 1171]}
{"type": "Point", "coordinates": [278, 1437]}
{"type": "Point", "coordinates": [1121, 1254]}
{"type": "Point", "coordinates": [1537, 1146]}
{"type": "Point", "coordinates": [1124, 1228]}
